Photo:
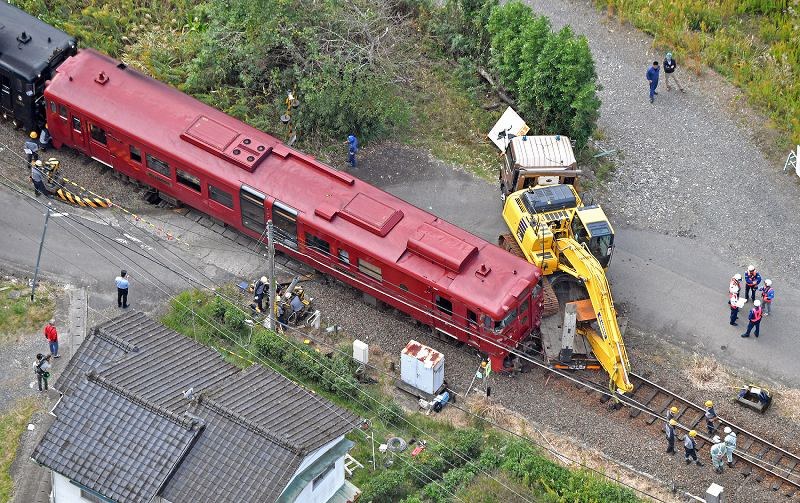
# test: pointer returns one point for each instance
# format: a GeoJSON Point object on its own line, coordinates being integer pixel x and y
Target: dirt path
{"type": "Point", "coordinates": [692, 164]}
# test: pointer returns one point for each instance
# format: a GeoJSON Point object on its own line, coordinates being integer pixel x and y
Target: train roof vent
{"type": "Point", "coordinates": [226, 142]}
{"type": "Point", "coordinates": [441, 247]}
{"type": "Point", "coordinates": [371, 215]}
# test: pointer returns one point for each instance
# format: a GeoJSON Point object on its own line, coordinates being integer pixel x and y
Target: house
{"type": "Point", "coordinates": [149, 415]}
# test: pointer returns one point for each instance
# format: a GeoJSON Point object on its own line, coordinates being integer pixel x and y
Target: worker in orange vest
{"type": "Point", "coordinates": [754, 319]}
{"type": "Point", "coordinates": [733, 303]}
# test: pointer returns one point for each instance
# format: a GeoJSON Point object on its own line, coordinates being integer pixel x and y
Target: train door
{"type": "Point", "coordinates": [444, 313]}
{"type": "Point", "coordinates": [98, 143]}
{"type": "Point", "coordinates": [251, 203]}
{"type": "Point", "coordinates": [76, 130]}
{"type": "Point", "coordinates": [5, 94]}
{"type": "Point", "coordinates": [284, 218]}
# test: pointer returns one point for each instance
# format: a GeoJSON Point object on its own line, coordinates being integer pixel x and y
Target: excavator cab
{"type": "Point", "coordinates": [591, 227]}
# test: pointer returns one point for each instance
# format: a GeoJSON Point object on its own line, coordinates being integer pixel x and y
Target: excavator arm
{"type": "Point", "coordinates": [608, 346]}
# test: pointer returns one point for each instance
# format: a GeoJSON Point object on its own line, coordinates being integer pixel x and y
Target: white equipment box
{"type": "Point", "coordinates": [422, 367]}
{"type": "Point", "coordinates": [360, 352]}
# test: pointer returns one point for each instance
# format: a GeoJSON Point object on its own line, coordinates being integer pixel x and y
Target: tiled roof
{"type": "Point", "coordinates": [258, 426]}
{"type": "Point", "coordinates": [231, 462]}
{"type": "Point", "coordinates": [116, 444]}
{"type": "Point", "coordinates": [278, 405]}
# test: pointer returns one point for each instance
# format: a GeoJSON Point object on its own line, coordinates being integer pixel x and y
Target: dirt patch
{"type": "Point", "coordinates": [706, 373]}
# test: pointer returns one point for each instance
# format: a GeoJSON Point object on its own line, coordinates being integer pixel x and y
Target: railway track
{"type": "Point", "coordinates": [770, 464]}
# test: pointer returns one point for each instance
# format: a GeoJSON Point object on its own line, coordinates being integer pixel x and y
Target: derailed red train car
{"type": "Point", "coordinates": [439, 274]}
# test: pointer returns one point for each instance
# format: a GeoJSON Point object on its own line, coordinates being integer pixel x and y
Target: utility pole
{"type": "Point", "coordinates": [272, 285]}
{"type": "Point", "coordinates": [41, 245]}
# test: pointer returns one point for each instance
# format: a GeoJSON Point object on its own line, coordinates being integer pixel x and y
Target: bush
{"type": "Point", "coordinates": [234, 318]}
{"type": "Point", "coordinates": [389, 485]}
{"type": "Point", "coordinates": [391, 414]}
{"type": "Point", "coordinates": [511, 27]}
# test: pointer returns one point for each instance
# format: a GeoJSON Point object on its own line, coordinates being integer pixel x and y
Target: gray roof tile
{"type": "Point", "coordinates": [280, 406]}
{"type": "Point", "coordinates": [118, 445]}
{"type": "Point", "coordinates": [258, 425]}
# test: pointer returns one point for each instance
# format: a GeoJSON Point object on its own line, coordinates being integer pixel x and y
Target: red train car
{"type": "Point", "coordinates": [424, 266]}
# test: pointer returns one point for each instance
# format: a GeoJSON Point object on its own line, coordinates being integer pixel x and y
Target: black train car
{"type": "Point", "coordinates": [30, 50]}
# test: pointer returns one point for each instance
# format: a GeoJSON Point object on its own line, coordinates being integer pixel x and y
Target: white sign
{"type": "Point", "coordinates": [510, 123]}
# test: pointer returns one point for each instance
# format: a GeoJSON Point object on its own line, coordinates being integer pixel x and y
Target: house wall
{"type": "Point", "coordinates": [326, 488]}
{"type": "Point", "coordinates": [65, 491]}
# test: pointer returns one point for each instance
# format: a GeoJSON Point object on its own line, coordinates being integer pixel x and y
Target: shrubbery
{"type": "Point", "coordinates": [551, 75]}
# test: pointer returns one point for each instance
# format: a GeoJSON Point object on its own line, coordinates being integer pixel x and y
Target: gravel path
{"type": "Point", "coordinates": [691, 163]}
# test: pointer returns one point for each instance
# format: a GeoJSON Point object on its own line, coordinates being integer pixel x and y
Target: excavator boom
{"type": "Point", "coordinates": [608, 346]}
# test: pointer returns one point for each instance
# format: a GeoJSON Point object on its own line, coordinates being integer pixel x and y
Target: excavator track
{"type": "Point", "coordinates": [550, 305]}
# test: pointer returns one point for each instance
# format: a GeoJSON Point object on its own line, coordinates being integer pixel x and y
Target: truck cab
{"type": "Point", "coordinates": [530, 161]}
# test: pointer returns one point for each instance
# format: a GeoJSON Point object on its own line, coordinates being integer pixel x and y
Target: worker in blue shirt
{"type": "Point", "coordinates": [767, 296]}
{"type": "Point", "coordinates": [751, 281]}
{"type": "Point", "coordinates": [652, 78]}
{"type": "Point", "coordinates": [352, 149]}
{"type": "Point", "coordinates": [122, 289]}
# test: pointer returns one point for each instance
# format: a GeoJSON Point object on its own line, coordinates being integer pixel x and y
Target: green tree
{"type": "Point", "coordinates": [517, 37]}
{"type": "Point", "coordinates": [560, 92]}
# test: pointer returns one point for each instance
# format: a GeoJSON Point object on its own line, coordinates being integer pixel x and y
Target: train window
{"type": "Point", "coordinates": [344, 256]}
{"type": "Point", "coordinates": [62, 112]}
{"type": "Point", "coordinates": [444, 305]}
{"type": "Point", "coordinates": [97, 133]}
{"type": "Point", "coordinates": [472, 318]}
{"type": "Point", "coordinates": [76, 124]}
{"type": "Point", "coordinates": [52, 107]}
{"type": "Point", "coordinates": [220, 196]}
{"type": "Point", "coordinates": [370, 270]}
{"type": "Point", "coordinates": [188, 180]}
{"type": "Point", "coordinates": [318, 244]}
{"type": "Point", "coordinates": [135, 154]}
{"type": "Point", "coordinates": [500, 325]}
{"type": "Point", "coordinates": [285, 220]}
{"type": "Point", "coordinates": [251, 203]}
{"type": "Point", "coordinates": [158, 165]}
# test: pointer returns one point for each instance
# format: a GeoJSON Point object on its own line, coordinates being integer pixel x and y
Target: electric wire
{"type": "Point", "coordinates": [286, 236]}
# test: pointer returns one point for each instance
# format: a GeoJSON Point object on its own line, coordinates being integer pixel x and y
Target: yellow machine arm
{"type": "Point", "coordinates": [607, 346]}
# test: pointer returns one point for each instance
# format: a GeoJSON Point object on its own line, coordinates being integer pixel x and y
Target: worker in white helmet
{"type": "Point", "coordinates": [733, 303]}
{"type": "Point", "coordinates": [718, 450]}
{"type": "Point", "coordinates": [751, 279]}
{"type": "Point", "coordinates": [730, 444]}
{"type": "Point", "coordinates": [736, 282]}
{"type": "Point", "coordinates": [259, 291]}
{"type": "Point", "coordinates": [754, 319]}
{"type": "Point", "coordinates": [767, 296]}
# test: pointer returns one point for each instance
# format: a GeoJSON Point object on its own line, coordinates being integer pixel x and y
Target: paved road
{"type": "Point", "coordinates": [671, 286]}
{"type": "Point", "coordinates": [89, 248]}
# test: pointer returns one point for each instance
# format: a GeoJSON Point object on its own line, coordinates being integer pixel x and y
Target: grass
{"type": "Point", "coordinates": [754, 43]}
{"type": "Point", "coordinates": [498, 488]}
{"type": "Point", "coordinates": [12, 424]}
{"type": "Point", "coordinates": [20, 314]}
{"type": "Point", "coordinates": [448, 121]}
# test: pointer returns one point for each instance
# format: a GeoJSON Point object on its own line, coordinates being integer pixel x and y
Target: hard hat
{"type": "Point", "coordinates": [692, 433]}
{"type": "Point", "coordinates": [737, 277]}
{"type": "Point", "coordinates": [716, 439]}
{"type": "Point", "coordinates": [673, 409]}
{"type": "Point", "coordinates": [733, 289]}
{"type": "Point", "coordinates": [264, 279]}
{"type": "Point", "coordinates": [33, 135]}
{"type": "Point", "coordinates": [751, 268]}
{"type": "Point", "coordinates": [38, 163]}
{"type": "Point", "coordinates": [757, 303]}
{"type": "Point", "coordinates": [672, 422]}
{"type": "Point", "coordinates": [728, 429]}
{"type": "Point", "coordinates": [709, 403]}
{"type": "Point", "coordinates": [768, 282]}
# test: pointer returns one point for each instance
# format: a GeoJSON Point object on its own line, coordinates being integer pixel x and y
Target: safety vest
{"type": "Point", "coordinates": [751, 278]}
{"type": "Point", "coordinates": [765, 294]}
{"type": "Point", "coordinates": [733, 300]}
{"type": "Point", "coordinates": [736, 283]}
{"type": "Point", "coordinates": [756, 314]}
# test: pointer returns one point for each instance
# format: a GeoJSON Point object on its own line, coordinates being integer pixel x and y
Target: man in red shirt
{"type": "Point", "coordinates": [51, 334]}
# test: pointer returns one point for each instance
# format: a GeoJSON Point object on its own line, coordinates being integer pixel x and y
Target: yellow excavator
{"type": "Point", "coordinates": [572, 244]}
